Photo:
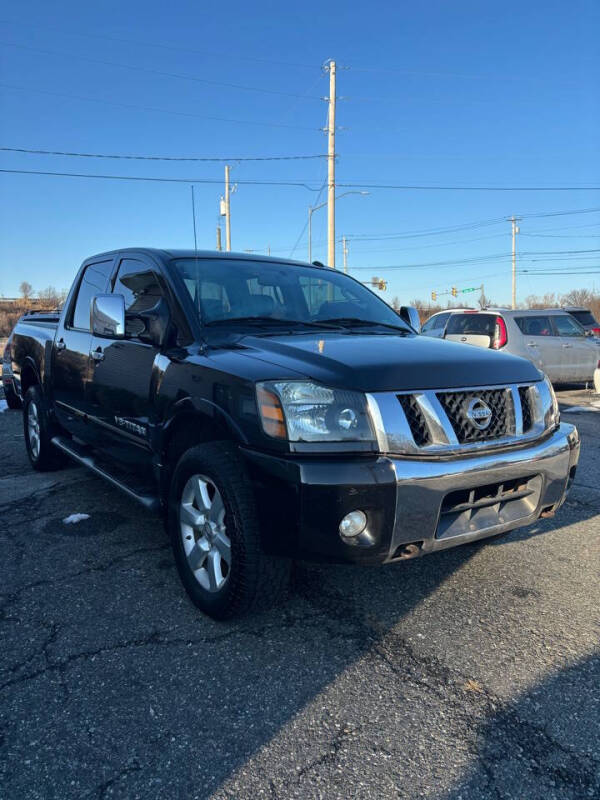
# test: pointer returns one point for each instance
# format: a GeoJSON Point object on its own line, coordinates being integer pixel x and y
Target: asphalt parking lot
{"type": "Point", "coordinates": [468, 674]}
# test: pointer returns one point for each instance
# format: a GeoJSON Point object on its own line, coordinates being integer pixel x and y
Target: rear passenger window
{"type": "Point", "coordinates": [534, 326]}
{"type": "Point", "coordinates": [566, 326]}
{"type": "Point", "coordinates": [93, 282]}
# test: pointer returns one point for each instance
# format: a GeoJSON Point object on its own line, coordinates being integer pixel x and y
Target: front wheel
{"type": "Point", "coordinates": [37, 429]}
{"type": "Point", "coordinates": [215, 535]}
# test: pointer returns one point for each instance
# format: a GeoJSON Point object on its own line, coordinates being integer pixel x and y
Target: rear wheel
{"type": "Point", "coordinates": [215, 536]}
{"type": "Point", "coordinates": [38, 432]}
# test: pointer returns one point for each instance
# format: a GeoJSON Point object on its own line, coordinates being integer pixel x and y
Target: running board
{"type": "Point", "coordinates": [79, 454]}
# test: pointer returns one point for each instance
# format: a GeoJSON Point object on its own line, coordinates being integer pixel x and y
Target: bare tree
{"type": "Point", "coordinates": [26, 290]}
{"type": "Point", "coordinates": [579, 297]}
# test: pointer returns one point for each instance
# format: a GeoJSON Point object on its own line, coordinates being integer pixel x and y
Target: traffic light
{"type": "Point", "coordinates": [382, 285]}
{"type": "Point", "coordinates": [454, 291]}
{"type": "Point", "coordinates": [434, 295]}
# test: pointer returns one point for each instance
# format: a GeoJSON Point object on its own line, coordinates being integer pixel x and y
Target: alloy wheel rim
{"type": "Point", "coordinates": [203, 530]}
{"type": "Point", "coordinates": [33, 430]}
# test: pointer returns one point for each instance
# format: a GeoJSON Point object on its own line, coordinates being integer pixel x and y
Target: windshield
{"type": "Point", "coordinates": [584, 317]}
{"type": "Point", "coordinates": [223, 291]}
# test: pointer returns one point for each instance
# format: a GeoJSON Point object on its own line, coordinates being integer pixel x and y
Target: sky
{"type": "Point", "coordinates": [431, 94]}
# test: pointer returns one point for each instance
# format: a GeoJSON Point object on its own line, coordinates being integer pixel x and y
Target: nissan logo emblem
{"type": "Point", "coordinates": [479, 413]}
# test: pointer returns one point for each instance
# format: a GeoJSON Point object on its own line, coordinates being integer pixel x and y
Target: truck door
{"type": "Point", "coordinates": [122, 369]}
{"type": "Point", "coordinates": [71, 352]}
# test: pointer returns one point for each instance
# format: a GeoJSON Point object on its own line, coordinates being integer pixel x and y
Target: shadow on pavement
{"type": "Point", "coordinates": [544, 745]}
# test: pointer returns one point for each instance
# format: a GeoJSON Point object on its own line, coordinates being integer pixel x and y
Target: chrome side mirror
{"type": "Point", "coordinates": [108, 315]}
{"type": "Point", "coordinates": [411, 315]}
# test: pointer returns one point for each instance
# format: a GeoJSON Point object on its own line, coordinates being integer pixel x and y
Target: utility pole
{"type": "Point", "coordinates": [515, 230]}
{"type": "Point", "coordinates": [219, 238]}
{"type": "Point", "coordinates": [345, 253]}
{"type": "Point", "coordinates": [227, 212]}
{"type": "Point", "coordinates": [310, 213]}
{"type": "Point", "coordinates": [331, 169]}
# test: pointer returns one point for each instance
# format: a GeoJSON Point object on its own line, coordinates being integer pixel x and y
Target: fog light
{"type": "Point", "coordinates": [353, 524]}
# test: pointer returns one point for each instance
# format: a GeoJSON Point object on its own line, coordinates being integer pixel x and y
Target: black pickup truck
{"type": "Point", "coordinates": [276, 410]}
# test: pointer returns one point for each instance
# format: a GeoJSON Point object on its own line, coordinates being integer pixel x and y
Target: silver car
{"type": "Point", "coordinates": [551, 338]}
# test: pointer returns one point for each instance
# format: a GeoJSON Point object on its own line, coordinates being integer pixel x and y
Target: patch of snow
{"type": "Point", "coordinates": [3, 405]}
{"type": "Point", "coordinates": [73, 518]}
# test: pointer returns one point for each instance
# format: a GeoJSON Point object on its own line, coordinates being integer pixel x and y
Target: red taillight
{"type": "Point", "coordinates": [500, 335]}
{"type": "Point", "coordinates": [596, 331]}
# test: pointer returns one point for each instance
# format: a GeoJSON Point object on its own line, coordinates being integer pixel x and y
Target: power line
{"type": "Point", "coordinates": [158, 158]}
{"type": "Point", "coordinates": [156, 179]}
{"type": "Point", "coordinates": [162, 73]}
{"type": "Point", "coordinates": [440, 188]}
{"type": "Point", "coordinates": [305, 183]}
{"type": "Point", "coordinates": [156, 110]}
{"type": "Point", "coordinates": [231, 54]}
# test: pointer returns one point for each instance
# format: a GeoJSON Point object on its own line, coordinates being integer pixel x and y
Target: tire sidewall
{"type": "Point", "coordinates": [223, 603]}
{"type": "Point", "coordinates": [34, 395]}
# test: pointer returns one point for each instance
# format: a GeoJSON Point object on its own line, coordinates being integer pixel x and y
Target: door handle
{"type": "Point", "coordinates": [61, 344]}
{"type": "Point", "coordinates": [567, 345]}
{"type": "Point", "coordinates": [98, 355]}
{"type": "Point", "coordinates": [531, 344]}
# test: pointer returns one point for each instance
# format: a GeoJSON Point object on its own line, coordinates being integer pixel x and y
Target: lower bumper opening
{"type": "Point", "coordinates": [479, 508]}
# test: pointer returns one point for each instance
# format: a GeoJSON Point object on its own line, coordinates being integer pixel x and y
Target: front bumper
{"type": "Point", "coordinates": [414, 506]}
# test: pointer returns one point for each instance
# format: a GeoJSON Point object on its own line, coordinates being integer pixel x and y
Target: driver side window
{"type": "Point", "coordinates": [139, 286]}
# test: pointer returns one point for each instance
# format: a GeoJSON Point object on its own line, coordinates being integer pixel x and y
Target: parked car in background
{"type": "Point", "coordinates": [551, 338]}
{"type": "Point", "coordinates": [12, 398]}
{"type": "Point", "coordinates": [436, 324]}
{"type": "Point", "coordinates": [585, 318]}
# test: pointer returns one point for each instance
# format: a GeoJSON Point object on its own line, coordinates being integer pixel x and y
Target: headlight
{"type": "Point", "coordinates": [302, 411]}
{"type": "Point", "coordinates": [552, 414]}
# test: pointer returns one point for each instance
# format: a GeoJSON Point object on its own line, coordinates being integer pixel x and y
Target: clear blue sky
{"type": "Point", "coordinates": [464, 93]}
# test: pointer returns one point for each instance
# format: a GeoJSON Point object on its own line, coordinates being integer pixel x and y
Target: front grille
{"type": "Point", "coordinates": [499, 401]}
{"type": "Point", "coordinates": [524, 394]}
{"type": "Point", "coordinates": [416, 420]}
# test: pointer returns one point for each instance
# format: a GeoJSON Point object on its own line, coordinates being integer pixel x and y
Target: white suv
{"type": "Point", "coordinates": [551, 338]}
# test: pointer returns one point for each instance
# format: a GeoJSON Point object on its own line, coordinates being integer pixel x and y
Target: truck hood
{"type": "Point", "coordinates": [378, 363]}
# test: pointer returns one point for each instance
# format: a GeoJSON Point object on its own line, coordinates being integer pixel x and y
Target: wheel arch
{"type": "Point", "coordinates": [189, 425]}
{"type": "Point", "coordinates": [29, 377]}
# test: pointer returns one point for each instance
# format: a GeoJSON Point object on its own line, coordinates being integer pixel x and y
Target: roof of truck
{"type": "Point", "coordinates": [169, 253]}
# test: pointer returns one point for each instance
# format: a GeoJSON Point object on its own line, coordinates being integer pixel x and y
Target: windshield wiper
{"type": "Point", "coordinates": [346, 321]}
{"type": "Point", "coordinates": [282, 323]}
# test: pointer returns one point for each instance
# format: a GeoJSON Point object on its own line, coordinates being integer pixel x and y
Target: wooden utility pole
{"type": "Point", "coordinates": [345, 253]}
{"type": "Point", "coordinates": [227, 211]}
{"type": "Point", "coordinates": [515, 230]}
{"type": "Point", "coordinates": [219, 238]}
{"type": "Point", "coordinates": [331, 169]}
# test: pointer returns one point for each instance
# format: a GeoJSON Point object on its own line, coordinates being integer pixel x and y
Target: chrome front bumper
{"type": "Point", "coordinates": [444, 503]}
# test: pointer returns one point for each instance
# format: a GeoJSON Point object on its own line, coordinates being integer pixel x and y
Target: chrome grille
{"type": "Point", "coordinates": [434, 421]}
{"type": "Point", "coordinates": [524, 394]}
{"type": "Point", "coordinates": [499, 401]}
{"type": "Point", "coordinates": [416, 419]}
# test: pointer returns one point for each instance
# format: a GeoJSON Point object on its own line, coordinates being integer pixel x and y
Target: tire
{"type": "Point", "coordinates": [38, 432]}
{"type": "Point", "coordinates": [211, 503]}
